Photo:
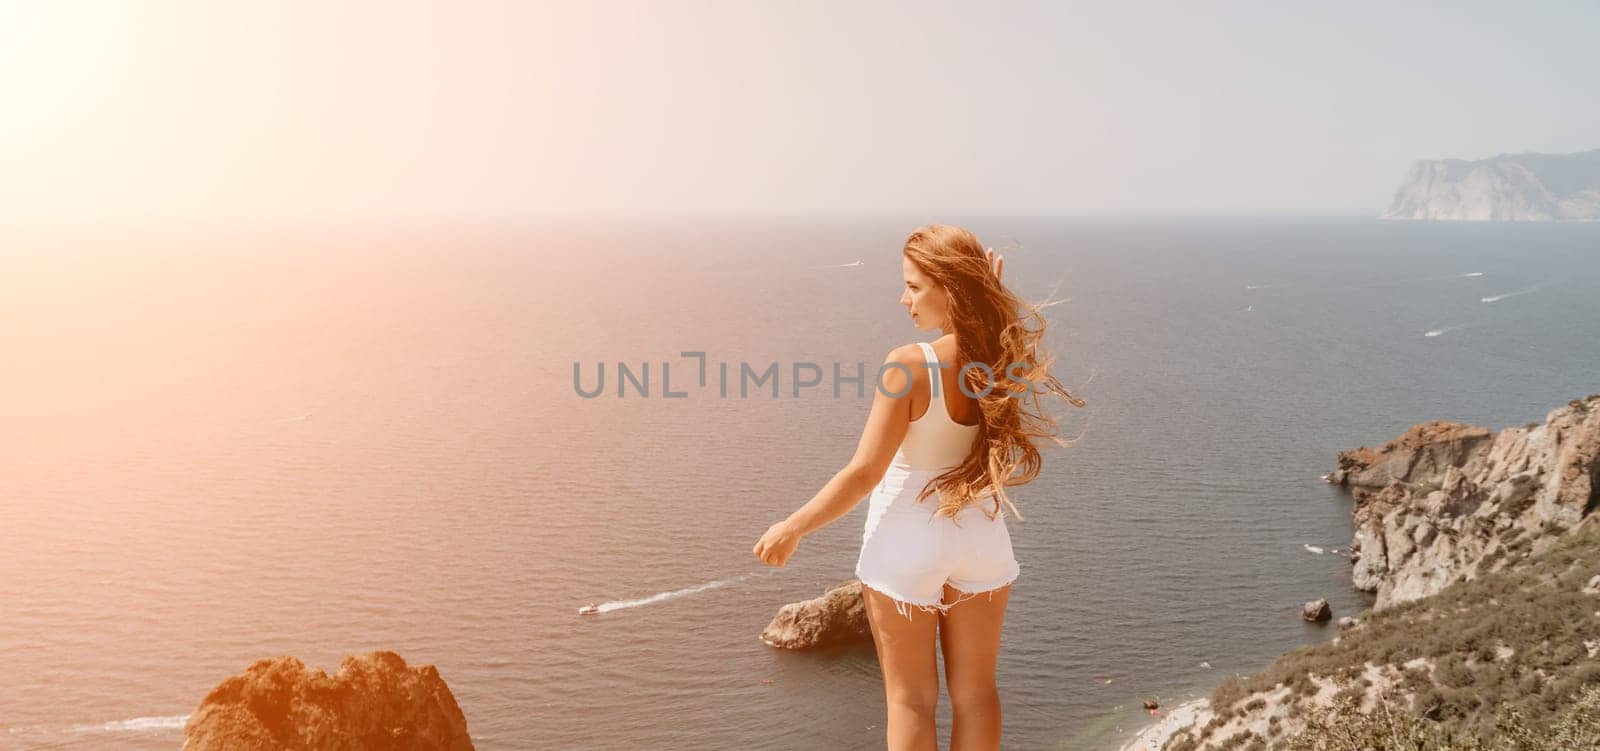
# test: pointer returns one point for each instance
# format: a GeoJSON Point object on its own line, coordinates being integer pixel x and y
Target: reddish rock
{"type": "Point", "coordinates": [1423, 451]}
{"type": "Point", "coordinates": [374, 702]}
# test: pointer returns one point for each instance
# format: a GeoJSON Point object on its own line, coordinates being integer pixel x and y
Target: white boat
{"type": "Point", "coordinates": [589, 609]}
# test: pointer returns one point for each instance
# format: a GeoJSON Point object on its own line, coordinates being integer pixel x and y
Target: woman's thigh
{"type": "Point", "coordinates": [906, 649]}
{"type": "Point", "coordinates": [970, 637]}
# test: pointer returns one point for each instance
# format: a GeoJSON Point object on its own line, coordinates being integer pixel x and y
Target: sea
{"type": "Point", "coordinates": [220, 444]}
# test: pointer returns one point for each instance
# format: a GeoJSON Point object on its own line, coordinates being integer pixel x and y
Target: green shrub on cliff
{"type": "Point", "coordinates": [1511, 641]}
{"type": "Point", "coordinates": [1344, 728]}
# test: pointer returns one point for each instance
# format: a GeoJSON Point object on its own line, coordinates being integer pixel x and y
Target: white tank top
{"type": "Point", "coordinates": [935, 440]}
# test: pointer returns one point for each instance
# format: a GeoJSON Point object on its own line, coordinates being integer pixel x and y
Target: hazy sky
{"type": "Point", "coordinates": [384, 110]}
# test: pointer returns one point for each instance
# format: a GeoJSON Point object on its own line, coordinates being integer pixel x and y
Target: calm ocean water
{"type": "Point", "coordinates": [223, 446]}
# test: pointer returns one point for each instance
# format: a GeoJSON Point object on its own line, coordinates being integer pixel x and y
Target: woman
{"type": "Point", "coordinates": [956, 442]}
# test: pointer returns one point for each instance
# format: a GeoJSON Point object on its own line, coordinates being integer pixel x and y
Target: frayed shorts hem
{"type": "Point", "coordinates": [904, 606]}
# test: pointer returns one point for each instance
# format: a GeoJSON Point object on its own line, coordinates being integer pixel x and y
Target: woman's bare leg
{"type": "Point", "coordinates": [910, 671]}
{"type": "Point", "coordinates": [970, 636]}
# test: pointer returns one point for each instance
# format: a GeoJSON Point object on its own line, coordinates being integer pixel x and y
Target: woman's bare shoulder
{"type": "Point", "coordinates": [894, 379]}
{"type": "Point", "coordinates": [906, 353]}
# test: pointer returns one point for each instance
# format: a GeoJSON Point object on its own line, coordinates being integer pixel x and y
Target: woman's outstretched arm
{"type": "Point", "coordinates": [886, 427]}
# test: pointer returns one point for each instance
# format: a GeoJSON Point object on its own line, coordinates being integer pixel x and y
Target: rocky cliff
{"type": "Point", "coordinates": [1509, 187]}
{"type": "Point", "coordinates": [1447, 501]}
{"type": "Point", "coordinates": [374, 702]}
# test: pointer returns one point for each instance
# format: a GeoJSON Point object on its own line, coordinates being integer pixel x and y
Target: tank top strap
{"type": "Point", "coordinates": [935, 381]}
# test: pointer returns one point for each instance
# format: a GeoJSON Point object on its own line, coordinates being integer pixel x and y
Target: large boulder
{"type": "Point", "coordinates": [374, 702]}
{"type": "Point", "coordinates": [837, 617]}
{"type": "Point", "coordinates": [1316, 611]}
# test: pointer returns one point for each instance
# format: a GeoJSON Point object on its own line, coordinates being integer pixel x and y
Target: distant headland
{"type": "Point", "coordinates": [1509, 187]}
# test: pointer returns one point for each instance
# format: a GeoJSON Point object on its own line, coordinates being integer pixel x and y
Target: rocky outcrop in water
{"type": "Point", "coordinates": [1509, 187]}
{"type": "Point", "coordinates": [373, 702]}
{"type": "Point", "coordinates": [837, 617]}
{"type": "Point", "coordinates": [1447, 501]}
{"type": "Point", "coordinates": [1316, 611]}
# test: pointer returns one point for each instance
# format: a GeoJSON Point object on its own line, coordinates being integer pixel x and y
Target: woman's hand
{"type": "Point", "coordinates": [777, 544]}
{"type": "Point", "coordinates": [995, 262]}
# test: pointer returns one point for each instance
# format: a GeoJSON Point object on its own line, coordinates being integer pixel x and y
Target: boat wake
{"type": "Point", "coordinates": [134, 725]}
{"type": "Point", "coordinates": [59, 736]}
{"type": "Point", "coordinates": [1467, 275]}
{"type": "Point", "coordinates": [606, 607]}
{"type": "Point", "coordinates": [1498, 298]}
{"type": "Point", "coordinates": [1320, 550]}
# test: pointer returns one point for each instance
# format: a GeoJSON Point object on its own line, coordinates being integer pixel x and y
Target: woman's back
{"type": "Point", "coordinates": [935, 440]}
{"type": "Point", "coordinates": [909, 553]}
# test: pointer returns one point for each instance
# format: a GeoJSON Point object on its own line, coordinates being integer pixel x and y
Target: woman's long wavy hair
{"type": "Point", "coordinates": [1000, 331]}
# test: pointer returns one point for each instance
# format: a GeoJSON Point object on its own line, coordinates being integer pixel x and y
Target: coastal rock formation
{"type": "Point", "coordinates": [1484, 550]}
{"type": "Point", "coordinates": [836, 617]}
{"type": "Point", "coordinates": [373, 702]}
{"type": "Point", "coordinates": [1316, 611]}
{"type": "Point", "coordinates": [1447, 501]}
{"type": "Point", "coordinates": [1443, 666]}
{"type": "Point", "coordinates": [1509, 187]}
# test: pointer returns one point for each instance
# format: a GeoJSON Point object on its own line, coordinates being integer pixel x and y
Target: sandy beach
{"type": "Point", "coordinates": [1152, 737]}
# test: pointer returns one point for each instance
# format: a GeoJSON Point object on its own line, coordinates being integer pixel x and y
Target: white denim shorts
{"type": "Point", "coordinates": [909, 554]}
